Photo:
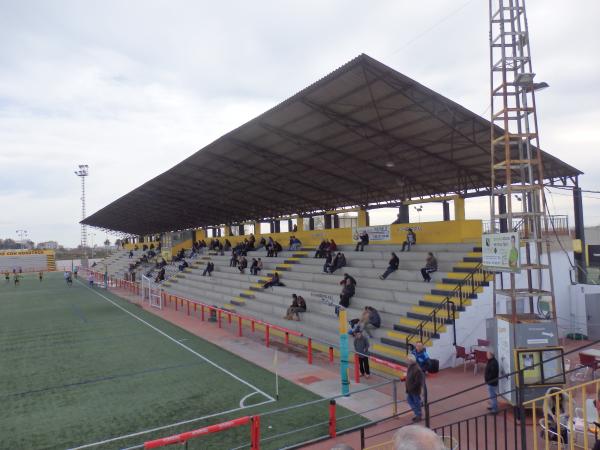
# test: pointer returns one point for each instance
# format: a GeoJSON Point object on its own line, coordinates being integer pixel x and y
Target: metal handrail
{"type": "Point", "coordinates": [449, 305]}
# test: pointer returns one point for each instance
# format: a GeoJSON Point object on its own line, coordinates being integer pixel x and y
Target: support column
{"type": "Point", "coordinates": [336, 221]}
{"type": "Point", "coordinates": [241, 230]}
{"type": "Point", "coordinates": [277, 224]}
{"type": "Point", "coordinates": [300, 223]}
{"type": "Point", "coordinates": [327, 221]}
{"type": "Point", "coordinates": [227, 230]}
{"type": "Point", "coordinates": [257, 230]}
{"type": "Point", "coordinates": [290, 225]}
{"type": "Point", "coordinates": [219, 232]}
{"type": "Point", "coordinates": [446, 208]}
{"type": "Point", "coordinates": [502, 210]}
{"type": "Point", "coordinates": [459, 208]}
{"type": "Point", "coordinates": [311, 223]}
{"type": "Point", "coordinates": [404, 214]}
{"type": "Point", "coordinates": [272, 226]}
{"type": "Point", "coordinates": [579, 234]}
{"type": "Point", "coordinates": [363, 218]}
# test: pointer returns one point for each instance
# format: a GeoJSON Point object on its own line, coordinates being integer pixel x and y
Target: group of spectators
{"type": "Point", "coordinates": [295, 244]}
{"type": "Point", "coordinates": [298, 306]}
{"type": "Point", "coordinates": [325, 247]}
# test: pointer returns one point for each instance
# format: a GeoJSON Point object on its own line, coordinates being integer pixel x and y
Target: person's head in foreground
{"type": "Point", "coordinates": [415, 437]}
{"type": "Point", "coordinates": [342, 446]}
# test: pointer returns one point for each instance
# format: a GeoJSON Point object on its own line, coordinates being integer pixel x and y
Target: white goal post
{"type": "Point", "coordinates": [151, 292]}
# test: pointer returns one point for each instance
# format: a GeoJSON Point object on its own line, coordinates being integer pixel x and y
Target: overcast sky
{"type": "Point", "coordinates": [131, 88]}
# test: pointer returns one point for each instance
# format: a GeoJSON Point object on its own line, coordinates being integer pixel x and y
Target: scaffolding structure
{"type": "Point", "coordinates": [516, 163]}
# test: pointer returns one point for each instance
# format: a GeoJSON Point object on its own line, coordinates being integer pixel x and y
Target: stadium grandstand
{"type": "Point", "coordinates": [252, 302]}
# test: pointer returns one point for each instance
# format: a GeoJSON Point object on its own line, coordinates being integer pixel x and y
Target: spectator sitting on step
{"type": "Point", "coordinates": [251, 242]}
{"type": "Point", "coordinates": [262, 243]}
{"type": "Point", "coordinates": [338, 262]}
{"type": "Point", "coordinates": [298, 305]}
{"type": "Point", "coordinates": [277, 248]}
{"type": "Point", "coordinates": [233, 262]}
{"type": "Point", "coordinates": [274, 281]}
{"type": "Point", "coordinates": [130, 254]}
{"type": "Point", "coordinates": [253, 266]}
{"type": "Point", "coordinates": [227, 245]}
{"type": "Point", "coordinates": [295, 243]}
{"type": "Point", "coordinates": [183, 265]}
{"type": "Point", "coordinates": [136, 248]}
{"type": "Point", "coordinates": [421, 356]}
{"type": "Point", "coordinates": [369, 320]}
{"type": "Point", "coordinates": [361, 347]}
{"type": "Point", "coordinates": [242, 263]}
{"type": "Point", "coordinates": [321, 249]}
{"type": "Point", "coordinates": [363, 239]}
{"type": "Point", "coordinates": [430, 267]}
{"type": "Point", "coordinates": [259, 267]}
{"type": "Point", "coordinates": [160, 276]}
{"type": "Point", "coordinates": [332, 246]}
{"type": "Point", "coordinates": [393, 264]}
{"type": "Point", "coordinates": [327, 266]}
{"type": "Point", "coordinates": [208, 269]}
{"type": "Point", "coordinates": [348, 290]}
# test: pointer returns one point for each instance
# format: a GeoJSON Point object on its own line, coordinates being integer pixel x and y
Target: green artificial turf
{"type": "Point", "coordinates": [76, 369]}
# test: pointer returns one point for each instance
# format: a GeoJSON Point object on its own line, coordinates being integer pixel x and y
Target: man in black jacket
{"type": "Point", "coordinates": [492, 371]}
{"type": "Point", "coordinates": [393, 265]}
{"type": "Point", "coordinates": [414, 386]}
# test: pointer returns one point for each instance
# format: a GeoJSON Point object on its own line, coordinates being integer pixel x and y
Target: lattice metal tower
{"type": "Point", "coordinates": [517, 171]}
{"type": "Point", "coordinates": [82, 172]}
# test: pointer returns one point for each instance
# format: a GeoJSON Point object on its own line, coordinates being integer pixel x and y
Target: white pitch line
{"type": "Point", "coordinates": [183, 422]}
{"type": "Point", "coordinates": [246, 397]}
{"type": "Point", "coordinates": [204, 358]}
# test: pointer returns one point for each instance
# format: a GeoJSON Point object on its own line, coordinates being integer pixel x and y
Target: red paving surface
{"type": "Point", "coordinates": [469, 404]}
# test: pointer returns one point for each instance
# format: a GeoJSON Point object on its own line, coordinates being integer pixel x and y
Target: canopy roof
{"type": "Point", "coordinates": [364, 134]}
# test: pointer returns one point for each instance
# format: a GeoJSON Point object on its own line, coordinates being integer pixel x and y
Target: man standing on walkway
{"type": "Point", "coordinates": [492, 370]}
{"type": "Point", "coordinates": [414, 386]}
{"type": "Point", "coordinates": [361, 346]}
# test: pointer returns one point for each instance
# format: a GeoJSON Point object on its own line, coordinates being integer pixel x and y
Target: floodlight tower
{"type": "Point", "coordinates": [21, 234]}
{"type": "Point", "coordinates": [82, 172]}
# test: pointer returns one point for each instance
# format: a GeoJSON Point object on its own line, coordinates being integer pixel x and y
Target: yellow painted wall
{"type": "Point", "coordinates": [140, 245]}
{"type": "Point", "coordinates": [442, 232]}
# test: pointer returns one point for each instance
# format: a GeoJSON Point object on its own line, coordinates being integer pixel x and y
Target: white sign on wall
{"type": "Point", "coordinates": [377, 233]}
{"type": "Point", "coordinates": [500, 251]}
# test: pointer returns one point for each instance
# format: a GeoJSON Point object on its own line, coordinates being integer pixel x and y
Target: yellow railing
{"type": "Point", "coordinates": [562, 423]}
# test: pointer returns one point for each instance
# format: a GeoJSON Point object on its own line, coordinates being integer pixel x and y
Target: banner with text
{"type": "Point", "coordinates": [500, 251]}
{"type": "Point", "coordinates": [376, 233]}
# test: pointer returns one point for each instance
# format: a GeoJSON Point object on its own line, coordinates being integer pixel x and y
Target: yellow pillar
{"type": "Point", "coordinates": [200, 234]}
{"type": "Point", "coordinates": [300, 223]}
{"type": "Point", "coordinates": [227, 230]}
{"type": "Point", "coordinates": [459, 208]}
{"type": "Point", "coordinates": [256, 229]}
{"type": "Point", "coordinates": [363, 218]}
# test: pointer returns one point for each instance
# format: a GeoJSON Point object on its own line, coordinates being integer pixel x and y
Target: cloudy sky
{"type": "Point", "coordinates": [131, 88]}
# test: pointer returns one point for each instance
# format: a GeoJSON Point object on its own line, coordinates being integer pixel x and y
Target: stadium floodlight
{"type": "Point", "coordinates": [83, 172]}
{"type": "Point", "coordinates": [22, 234]}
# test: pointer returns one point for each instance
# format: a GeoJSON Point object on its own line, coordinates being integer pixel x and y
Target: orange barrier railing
{"type": "Point", "coordinates": [183, 438]}
{"type": "Point", "coordinates": [219, 314]}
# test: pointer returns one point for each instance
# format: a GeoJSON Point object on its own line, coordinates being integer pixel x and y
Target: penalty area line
{"type": "Point", "coordinates": [181, 344]}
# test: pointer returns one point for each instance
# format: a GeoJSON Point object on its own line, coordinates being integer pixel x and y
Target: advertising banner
{"type": "Point", "coordinates": [377, 233]}
{"type": "Point", "coordinates": [500, 252]}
